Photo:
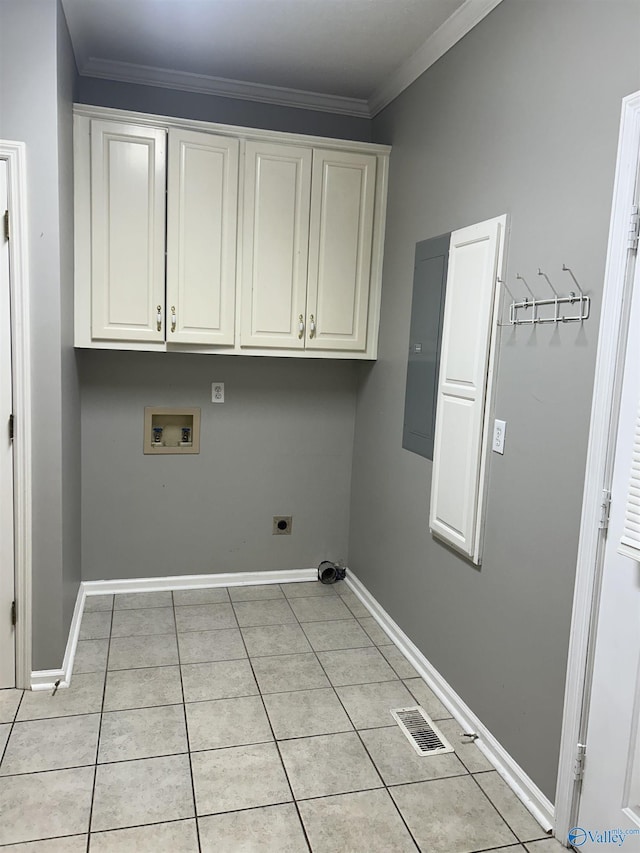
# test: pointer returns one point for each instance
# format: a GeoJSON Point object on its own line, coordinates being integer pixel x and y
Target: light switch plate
{"type": "Point", "coordinates": [217, 392]}
{"type": "Point", "coordinates": [499, 429]}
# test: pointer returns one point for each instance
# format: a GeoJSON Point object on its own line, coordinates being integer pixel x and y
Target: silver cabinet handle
{"type": "Point", "coordinates": [312, 327]}
{"type": "Point", "coordinates": [159, 318]}
{"type": "Point", "coordinates": [300, 327]}
{"type": "Point", "coordinates": [173, 318]}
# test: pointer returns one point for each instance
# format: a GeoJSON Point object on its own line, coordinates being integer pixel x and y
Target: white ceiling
{"type": "Point", "coordinates": [350, 56]}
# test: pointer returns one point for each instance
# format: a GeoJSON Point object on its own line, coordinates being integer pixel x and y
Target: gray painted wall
{"type": "Point", "coordinates": [280, 444]}
{"type": "Point", "coordinates": [520, 117]}
{"type": "Point", "coordinates": [30, 92]}
{"type": "Point", "coordinates": [152, 99]}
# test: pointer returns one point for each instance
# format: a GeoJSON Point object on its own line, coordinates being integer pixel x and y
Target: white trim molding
{"type": "Point", "coordinates": [451, 31]}
{"type": "Point", "coordinates": [15, 155]}
{"type": "Point", "coordinates": [511, 772]}
{"type": "Point", "coordinates": [184, 81]}
{"type": "Point", "coordinates": [108, 587]}
{"type": "Point", "coordinates": [465, 17]}
{"type": "Point", "coordinates": [519, 782]}
{"type": "Point", "coordinates": [48, 679]}
{"type": "Point", "coordinates": [604, 420]}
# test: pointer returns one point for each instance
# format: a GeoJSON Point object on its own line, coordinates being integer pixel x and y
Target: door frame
{"type": "Point", "coordinates": [15, 155]}
{"type": "Point", "coordinates": [604, 418]}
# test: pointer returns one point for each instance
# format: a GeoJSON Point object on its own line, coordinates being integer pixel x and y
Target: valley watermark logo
{"type": "Point", "coordinates": [579, 836]}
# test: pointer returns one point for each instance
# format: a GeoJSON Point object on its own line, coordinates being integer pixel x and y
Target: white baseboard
{"type": "Point", "coordinates": [519, 782]}
{"type": "Point", "coordinates": [46, 679]}
{"type": "Point", "coordinates": [198, 581]}
{"type": "Point", "coordinates": [525, 789]}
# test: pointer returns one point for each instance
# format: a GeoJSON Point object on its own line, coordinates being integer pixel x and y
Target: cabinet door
{"type": "Point", "coordinates": [127, 231]}
{"type": "Point", "coordinates": [201, 237]}
{"type": "Point", "coordinates": [341, 232]}
{"type": "Point", "coordinates": [275, 244]}
{"type": "Point", "coordinates": [464, 386]}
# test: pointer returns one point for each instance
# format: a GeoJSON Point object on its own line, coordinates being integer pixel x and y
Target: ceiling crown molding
{"type": "Point", "coordinates": [451, 31]}
{"type": "Point", "coordinates": [185, 81]}
{"type": "Point", "coordinates": [470, 13]}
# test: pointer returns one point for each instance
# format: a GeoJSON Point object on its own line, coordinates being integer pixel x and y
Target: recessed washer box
{"type": "Point", "coordinates": [171, 430]}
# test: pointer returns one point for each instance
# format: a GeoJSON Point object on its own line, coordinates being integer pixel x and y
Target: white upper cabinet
{"type": "Point", "coordinates": [277, 182]}
{"type": "Point", "coordinates": [201, 237]}
{"type": "Point", "coordinates": [308, 231]}
{"type": "Point", "coordinates": [340, 238]}
{"type": "Point", "coordinates": [127, 231]}
{"type": "Point", "coordinates": [202, 205]}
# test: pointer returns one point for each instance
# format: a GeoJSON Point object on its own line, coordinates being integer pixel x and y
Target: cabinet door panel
{"type": "Point", "coordinates": [201, 237]}
{"type": "Point", "coordinates": [127, 231]}
{"type": "Point", "coordinates": [275, 244]}
{"type": "Point", "coordinates": [464, 386]}
{"type": "Point", "coordinates": [342, 203]}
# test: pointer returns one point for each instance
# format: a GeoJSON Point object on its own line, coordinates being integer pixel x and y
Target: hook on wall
{"type": "Point", "coordinates": [524, 281]}
{"type": "Point", "coordinates": [540, 310]}
{"type": "Point", "coordinates": [565, 268]}
{"type": "Point", "coordinates": [544, 275]}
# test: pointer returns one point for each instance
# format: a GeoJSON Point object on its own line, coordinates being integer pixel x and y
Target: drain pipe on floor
{"type": "Point", "coordinates": [329, 572]}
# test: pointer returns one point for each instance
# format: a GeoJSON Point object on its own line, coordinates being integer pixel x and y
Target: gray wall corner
{"type": "Point", "coordinates": [499, 125]}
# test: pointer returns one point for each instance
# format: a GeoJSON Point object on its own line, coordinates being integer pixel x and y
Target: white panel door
{"type": "Point", "coordinates": [128, 176]}
{"type": "Point", "coordinates": [610, 797]}
{"type": "Point", "coordinates": [275, 244]}
{"type": "Point", "coordinates": [340, 238]}
{"type": "Point", "coordinates": [460, 436]}
{"type": "Point", "coordinates": [202, 217]}
{"type": "Point", "coordinates": [7, 579]}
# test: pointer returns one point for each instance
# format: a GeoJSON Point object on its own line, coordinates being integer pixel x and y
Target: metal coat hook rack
{"type": "Point", "coordinates": [531, 310]}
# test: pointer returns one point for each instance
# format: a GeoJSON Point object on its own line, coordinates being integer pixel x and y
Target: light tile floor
{"type": "Point", "coordinates": [242, 719]}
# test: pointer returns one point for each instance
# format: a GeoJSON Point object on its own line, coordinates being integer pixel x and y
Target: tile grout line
{"type": "Point", "coordinates": [275, 741]}
{"type": "Point", "coordinates": [105, 673]}
{"type": "Point", "coordinates": [186, 731]}
{"type": "Point", "coordinates": [12, 726]}
{"type": "Point", "coordinates": [384, 786]}
{"type": "Point", "coordinates": [104, 693]}
{"type": "Point", "coordinates": [511, 829]}
{"type": "Point", "coordinates": [249, 658]}
{"type": "Point", "coordinates": [358, 735]}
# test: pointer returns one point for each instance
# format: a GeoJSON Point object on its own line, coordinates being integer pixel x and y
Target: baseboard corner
{"type": "Point", "coordinates": [518, 780]}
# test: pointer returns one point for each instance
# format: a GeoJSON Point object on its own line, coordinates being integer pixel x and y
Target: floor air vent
{"type": "Point", "coordinates": [421, 732]}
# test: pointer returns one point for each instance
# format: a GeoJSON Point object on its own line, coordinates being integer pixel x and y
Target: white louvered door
{"type": "Point", "coordinates": [610, 795]}
{"type": "Point", "coordinates": [630, 539]}
{"type": "Point", "coordinates": [460, 445]}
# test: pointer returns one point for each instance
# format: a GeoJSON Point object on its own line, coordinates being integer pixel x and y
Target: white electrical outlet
{"type": "Point", "coordinates": [499, 429]}
{"type": "Point", "coordinates": [217, 392]}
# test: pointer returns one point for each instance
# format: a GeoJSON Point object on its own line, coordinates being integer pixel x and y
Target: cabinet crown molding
{"type": "Point", "coordinates": [237, 131]}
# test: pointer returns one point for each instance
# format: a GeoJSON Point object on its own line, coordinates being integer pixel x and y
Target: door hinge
{"type": "Point", "coordinates": [578, 765]}
{"type": "Point", "coordinates": [605, 510]}
{"type": "Point", "coordinates": [6, 224]}
{"type": "Point", "coordinates": [14, 613]}
{"type": "Point", "coordinates": [634, 227]}
{"type": "Point", "coordinates": [11, 426]}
